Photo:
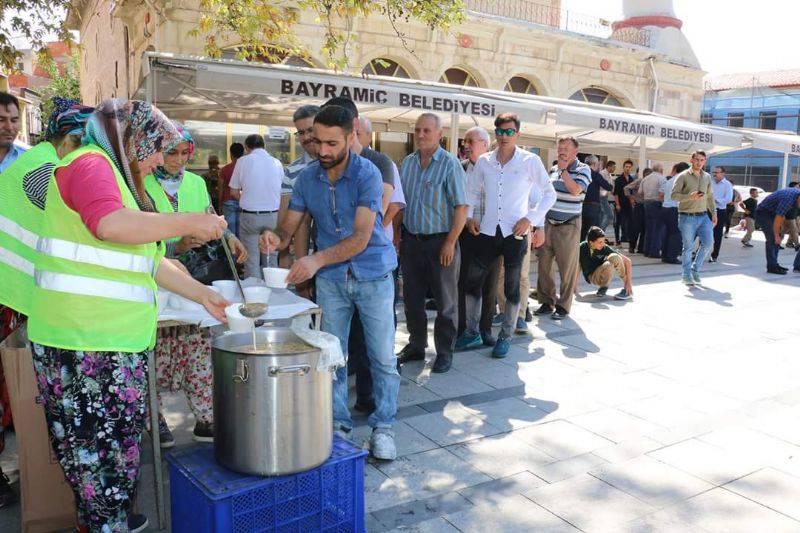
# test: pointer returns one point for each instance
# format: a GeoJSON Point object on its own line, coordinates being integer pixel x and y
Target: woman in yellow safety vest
{"type": "Point", "coordinates": [22, 196]}
{"type": "Point", "coordinates": [93, 312]}
{"type": "Point", "coordinates": [183, 353]}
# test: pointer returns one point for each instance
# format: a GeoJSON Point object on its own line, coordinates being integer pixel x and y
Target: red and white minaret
{"type": "Point", "coordinates": [657, 17]}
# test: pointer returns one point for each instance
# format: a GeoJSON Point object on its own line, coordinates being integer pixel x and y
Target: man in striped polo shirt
{"type": "Point", "coordinates": [570, 179]}
{"type": "Point", "coordinates": [436, 210]}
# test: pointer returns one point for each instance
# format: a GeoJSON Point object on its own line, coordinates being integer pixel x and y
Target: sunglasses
{"type": "Point", "coordinates": [510, 132]}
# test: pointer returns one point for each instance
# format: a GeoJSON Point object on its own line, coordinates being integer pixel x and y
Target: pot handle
{"type": "Point", "coordinates": [243, 371]}
{"type": "Point", "coordinates": [300, 370]}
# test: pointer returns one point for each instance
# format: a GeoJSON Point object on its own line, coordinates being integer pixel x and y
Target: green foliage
{"type": "Point", "coordinates": [33, 21]}
{"type": "Point", "coordinates": [265, 28]}
{"type": "Point", "coordinates": [66, 85]}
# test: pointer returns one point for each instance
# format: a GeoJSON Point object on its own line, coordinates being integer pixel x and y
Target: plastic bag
{"type": "Point", "coordinates": [331, 357]}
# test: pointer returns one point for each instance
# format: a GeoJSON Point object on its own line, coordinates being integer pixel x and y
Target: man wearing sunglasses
{"type": "Point", "coordinates": [518, 194]}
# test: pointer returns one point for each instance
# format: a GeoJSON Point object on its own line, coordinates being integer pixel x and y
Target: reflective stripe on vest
{"type": "Point", "coordinates": [16, 262]}
{"type": "Point", "coordinates": [16, 231]}
{"type": "Point", "coordinates": [83, 253]}
{"type": "Point", "coordinates": [101, 288]}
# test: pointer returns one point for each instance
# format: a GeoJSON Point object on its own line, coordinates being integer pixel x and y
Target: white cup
{"type": "Point", "coordinates": [256, 295]}
{"type": "Point", "coordinates": [236, 322]}
{"type": "Point", "coordinates": [228, 289]}
{"type": "Point", "coordinates": [276, 277]}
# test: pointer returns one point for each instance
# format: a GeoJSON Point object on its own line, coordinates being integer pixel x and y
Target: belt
{"type": "Point", "coordinates": [258, 212]}
{"type": "Point", "coordinates": [424, 237]}
{"type": "Point", "coordinates": [695, 214]}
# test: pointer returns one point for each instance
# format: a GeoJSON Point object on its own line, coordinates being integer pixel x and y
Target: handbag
{"type": "Point", "coordinates": [207, 263]}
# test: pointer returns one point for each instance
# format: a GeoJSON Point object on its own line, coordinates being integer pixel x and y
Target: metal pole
{"type": "Point", "coordinates": [152, 392]}
{"type": "Point", "coordinates": [454, 133]}
{"type": "Point", "coordinates": [158, 477]}
{"type": "Point", "coordinates": [784, 180]}
{"type": "Point", "coordinates": [642, 154]}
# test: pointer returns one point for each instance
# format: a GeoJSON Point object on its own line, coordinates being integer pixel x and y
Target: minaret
{"type": "Point", "coordinates": [657, 17]}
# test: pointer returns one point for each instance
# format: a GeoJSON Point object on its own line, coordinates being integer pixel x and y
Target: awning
{"type": "Point", "coordinates": [785, 143]}
{"type": "Point", "coordinates": [196, 88]}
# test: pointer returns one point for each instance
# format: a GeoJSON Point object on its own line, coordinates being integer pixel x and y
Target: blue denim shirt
{"type": "Point", "coordinates": [12, 155]}
{"type": "Point", "coordinates": [333, 207]}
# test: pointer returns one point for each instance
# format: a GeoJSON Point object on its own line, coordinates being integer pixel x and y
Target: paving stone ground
{"type": "Point", "coordinates": [677, 411]}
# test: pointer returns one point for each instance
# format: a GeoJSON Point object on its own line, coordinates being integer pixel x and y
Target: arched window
{"type": "Point", "coordinates": [385, 67]}
{"type": "Point", "coordinates": [518, 84]}
{"type": "Point", "coordinates": [458, 76]}
{"type": "Point", "coordinates": [596, 95]}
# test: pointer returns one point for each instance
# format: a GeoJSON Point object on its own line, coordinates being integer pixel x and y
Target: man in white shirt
{"type": "Point", "coordinates": [518, 195]}
{"type": "Point", "coordinates": [476, 143]}
{"type": "Point", "coordinates": [256, 183]}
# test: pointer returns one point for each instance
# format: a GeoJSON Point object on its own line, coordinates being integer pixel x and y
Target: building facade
{"type": "Point", "coordinates": [762, 100]}
{"type": "Point", "coordinates": [516, 45]}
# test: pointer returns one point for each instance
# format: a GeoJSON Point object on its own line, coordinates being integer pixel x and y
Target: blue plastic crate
{"type": "Point", "coordinates": [207, 497]}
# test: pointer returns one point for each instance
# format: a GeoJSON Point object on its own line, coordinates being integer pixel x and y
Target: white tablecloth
{"type": "Point", "coordinates": [282, 304]}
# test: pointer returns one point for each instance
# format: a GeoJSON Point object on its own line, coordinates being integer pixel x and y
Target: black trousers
{"type": "Point", "coordinates": [422, 270]}
{"type": "Point", "coordinates": [621, 225]}
{"type": "Point", "coordinates": [469, 244]}
{"type": "Point", "coordinates": [357, 360]}
{"type": "Point", "coordinates": [637, 229]}
{"type": "Point", "coordinates": [654, 229]}
{"type": "Point", "coordinates": [719, 229]}
{"type": "Point", "coordinates": [673, 245]}
{"type": "Point", "coordinates": [489, 250]}
{"type": "Point", "coordinates": [590, 216]}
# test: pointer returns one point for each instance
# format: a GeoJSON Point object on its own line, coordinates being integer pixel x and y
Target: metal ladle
{"type": "Point", "coordinates": [249, 310]}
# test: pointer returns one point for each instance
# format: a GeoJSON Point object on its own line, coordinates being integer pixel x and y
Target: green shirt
{"type": "Point", "coordinates": [686, 183]}
{"type": "Point", "coordinates": [591, 259]}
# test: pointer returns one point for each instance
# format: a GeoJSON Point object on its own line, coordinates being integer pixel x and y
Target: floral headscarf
{"type": "Point", "coordinates": [130, 130]}
{"type": "Point", "coordinates": [69, 117]}
{"type": "Point", "coordinates": [172, 182]}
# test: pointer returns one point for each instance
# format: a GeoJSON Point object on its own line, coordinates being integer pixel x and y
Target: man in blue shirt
{"type": "Point", "coordinates": [723, 195]}
{"type": "Point", "coordinates": [9, 129]}
{"type": "Point", "coordinates": [353, 265]}
{"type": "Point", "coordinates": [770, 215]}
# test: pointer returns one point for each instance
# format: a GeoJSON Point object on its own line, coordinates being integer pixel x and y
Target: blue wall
{"type": "Point", "coordinates": [761, 168]}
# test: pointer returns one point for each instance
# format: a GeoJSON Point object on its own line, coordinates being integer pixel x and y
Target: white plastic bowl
{"type": "Point", "coordinates": [236, 322]}
{"type": "Point", "coordinates": [276, 277]}
{"type": "Point", "coordinates": [228, 289]}
{"type": "Point", "coordinates": [257, 295]}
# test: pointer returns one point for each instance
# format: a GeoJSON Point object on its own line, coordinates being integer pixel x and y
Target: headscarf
{"type": "Point", "coordinates": [69, 117]}
{"type": "Point", "coordinates": [128, 130]}
{"type": "Point", "coordinates": [172, 182]}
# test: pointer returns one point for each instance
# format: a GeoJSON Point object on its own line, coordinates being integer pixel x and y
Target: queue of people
{"type": "Point", "coordinates": [107, 212]}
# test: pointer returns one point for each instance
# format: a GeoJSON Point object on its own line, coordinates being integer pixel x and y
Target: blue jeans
{"type": "Point", "coordinates": [692, 227]}
{"type": "Point", "coordinates": [230, 210]}
{"type": "Point", "coordinates": [374, 301]}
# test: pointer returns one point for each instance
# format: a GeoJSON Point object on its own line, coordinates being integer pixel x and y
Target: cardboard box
{"type": "Point", "coordinates": [47, 501]}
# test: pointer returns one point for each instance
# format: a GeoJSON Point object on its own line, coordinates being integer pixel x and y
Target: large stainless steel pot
{"type": "Point", "coordinates": [272, 411]}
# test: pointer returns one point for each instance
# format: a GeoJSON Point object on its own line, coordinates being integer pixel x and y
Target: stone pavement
{"type": "Point", "coordinates": [677, 411]}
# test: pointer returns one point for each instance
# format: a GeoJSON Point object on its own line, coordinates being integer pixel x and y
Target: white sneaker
{"type": "Point", "coordinates": [381, 444]}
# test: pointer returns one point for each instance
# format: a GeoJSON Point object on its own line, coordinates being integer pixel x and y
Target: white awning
{"type": "Point", "coordinates": [196, 88]}
{"type": "Point", "coordinates": [785, 143]}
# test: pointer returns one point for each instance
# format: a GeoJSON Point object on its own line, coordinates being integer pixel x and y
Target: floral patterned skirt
{"type": "Point", "coordinates": [183, 363]}
{"type": "Point", "coordinates": [95, 406]}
